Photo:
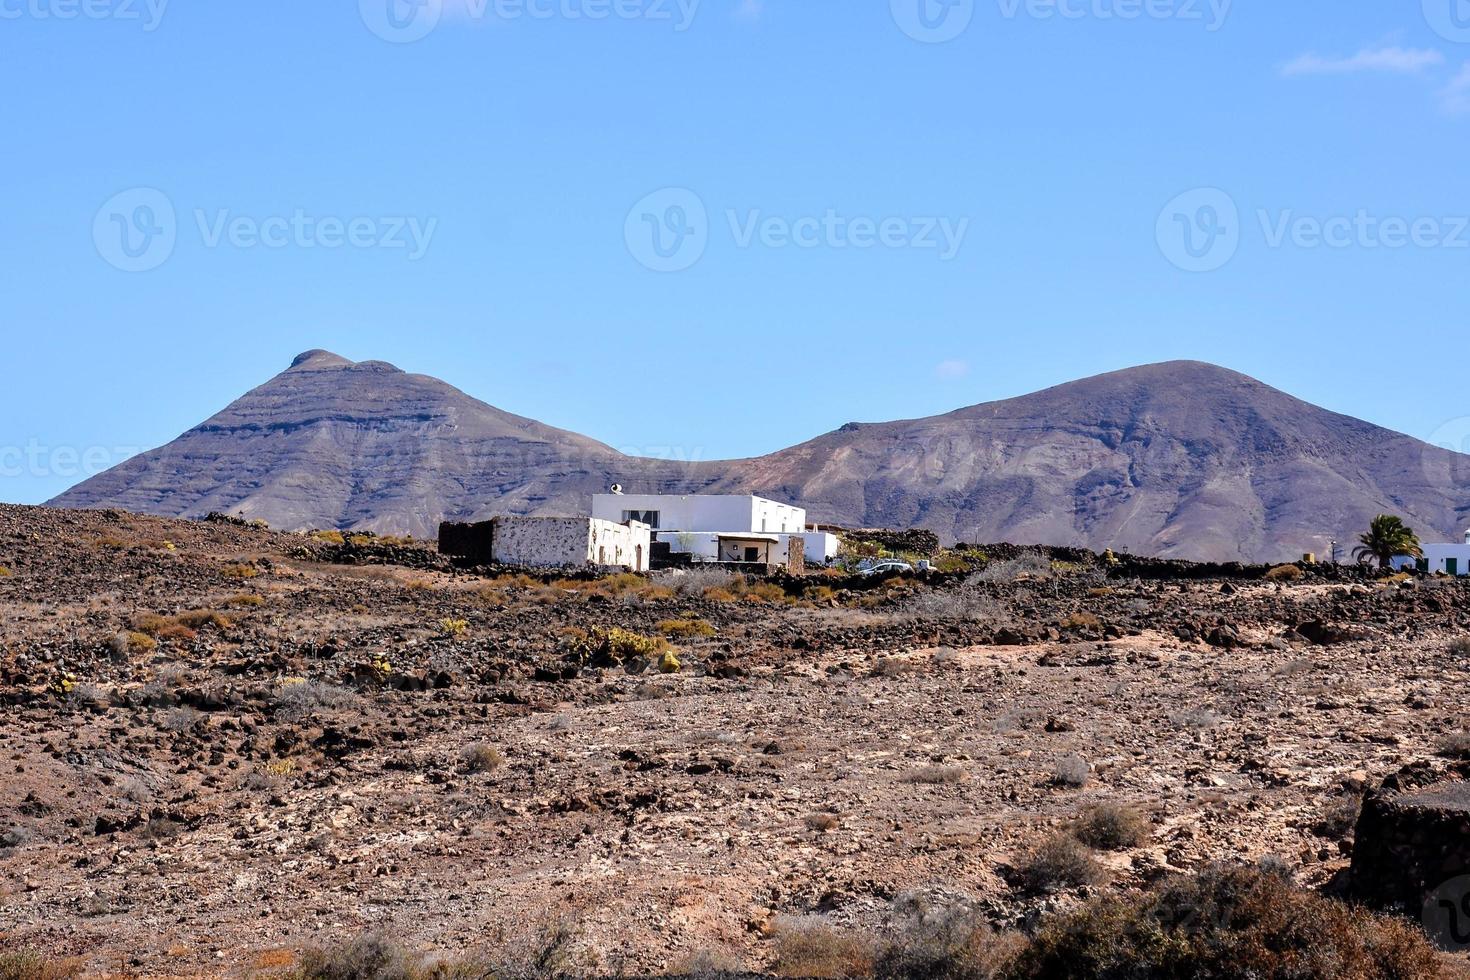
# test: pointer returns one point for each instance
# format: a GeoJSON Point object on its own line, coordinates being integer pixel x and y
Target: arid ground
{"type": "Point", "coordinates": [221, 747]}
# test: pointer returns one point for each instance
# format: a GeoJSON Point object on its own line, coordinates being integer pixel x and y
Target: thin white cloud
{"type": "Point", "coordinates": [749, 10]}
{"type": "Point", "coordinates": [1395, 60]}
{"type": "Point", "coordinates": [1455, 97]}
{"type": "Point", "coordinates": [951, 370]}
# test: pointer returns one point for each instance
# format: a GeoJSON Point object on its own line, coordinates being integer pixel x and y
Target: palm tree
{"type": "Point", "coordinates": [1387, 538]}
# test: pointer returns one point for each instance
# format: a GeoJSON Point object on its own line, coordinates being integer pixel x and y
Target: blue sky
{"type": "Point", "coordinates": [864, 210]}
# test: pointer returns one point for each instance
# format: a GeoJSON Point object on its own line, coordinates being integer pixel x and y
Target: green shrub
{"type": "Point", "coordinates": [613, 646]}
{"type": "Point", "coordinates": [685, 629]}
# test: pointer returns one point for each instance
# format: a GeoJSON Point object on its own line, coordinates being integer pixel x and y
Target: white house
{"type": "Point", "coordinates": [570, 542]}
{"type": "Point", "coordinates": [720, 527]}
{"type": "Point", "coordinates": [1448, 559]}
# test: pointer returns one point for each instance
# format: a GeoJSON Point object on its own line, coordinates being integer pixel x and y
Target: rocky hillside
{"type": "Point", "coordinates": [1180, 459]}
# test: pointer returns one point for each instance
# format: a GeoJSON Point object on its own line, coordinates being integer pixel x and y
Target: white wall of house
{"type": "Point", "coordinates": [568, 542]}
{"type": "Point", "coordinates": [701, 512]}
{"type": "Point", "coordinates": [1441, 557]}
{"type": "Point", "coordinates": [817, 547]}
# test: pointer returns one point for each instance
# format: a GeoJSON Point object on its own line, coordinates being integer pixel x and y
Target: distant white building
{"type": "Point", "coordinates": [570, 542]}
{"type": "Point", "coordinates": [1448, 559]}
{"type": "Point", "coordinates": [720, 527]}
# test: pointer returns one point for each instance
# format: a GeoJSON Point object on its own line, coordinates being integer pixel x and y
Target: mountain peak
{"type": "Point", "coordinates": [319, 360]}
{"type": "Point", "coordinates": [325, 360]}
{"type": "Point", "coordinates": [1179, 458]}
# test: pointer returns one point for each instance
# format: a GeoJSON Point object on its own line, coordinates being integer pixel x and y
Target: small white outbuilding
{"type": "Point", "coordinates": [570, 542]}
{"type": "Point", "coordinates": [1448, 559]}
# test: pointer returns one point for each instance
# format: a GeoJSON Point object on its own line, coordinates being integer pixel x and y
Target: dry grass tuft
{"type": "Point", "coordinates": [481, 757]}
{"type": "Point", "coordinates": [1235, 922]}
{"type": "Point", "coordinates": [810, 948]}
{"type": "Point", "coordinates": [1112, 827]}
{"type": "Point", "coordinates": [685, 629]}
{"type": "Point", "coordinates": [1059, 862]}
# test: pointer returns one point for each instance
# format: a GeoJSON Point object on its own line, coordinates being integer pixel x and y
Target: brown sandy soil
{"type": "Point", "coordinates": [252, 786]}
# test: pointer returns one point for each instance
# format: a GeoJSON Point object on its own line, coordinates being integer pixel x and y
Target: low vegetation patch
{"type": "Point", "coordinates": [245, 601]}
{"type": "Point", "coordinates": [613, 646]}
{"type": "Point", "coordinates": [811, 948]}
{"type": "Point", "coordinates": [686, 629]}
{"type": "Point", "coordinates": [1285, 573]}
{"type": "Point", "coordinates": [1059, 862]}
{"type": "Point", "coordinates": [5, 572]}
{"type": "Point", "coordinates": [1460, 646]}
{"type": "Point", "coordinates": [453, 627]}
{"type": "Point", "coordinates": [1112, 827]}
{"type": "Point", "coordinates": [1455, 746]}
{"type": "Point", "coordinates": [1081, 621]}
{"type": "Point", "coordinates": [28, 964]}
{"type": "Point", "coordinates": [197, 619]}
{"type": "Point", "coordinates": [240, 572]}
{"type": "Point", "coordinates": [1226, 923]}
{"type": "Point", "coordinates": [296, 699]}
{"type": "Point", "coordinates": [1071, 771]}
{"type": "Point", "coordinates": [935, 775]}
{"type": "Point", "coordinates": [482, 757]}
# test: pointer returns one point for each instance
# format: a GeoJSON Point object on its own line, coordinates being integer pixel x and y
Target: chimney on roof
{"type": "Point", "coordinates": [617, 491]}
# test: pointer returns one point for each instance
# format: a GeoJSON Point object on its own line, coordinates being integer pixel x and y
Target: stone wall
{"type": "Point", "coordinates": [1412, 850]}
{"type": "Point", "coordinates": [567, 542]}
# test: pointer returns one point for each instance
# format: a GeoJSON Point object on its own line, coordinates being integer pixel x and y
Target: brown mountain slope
{"type": "Point", "coordinates": [1180, 459]}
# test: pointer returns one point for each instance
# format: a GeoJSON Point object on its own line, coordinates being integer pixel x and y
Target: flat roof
{"type": "Point", "coordinates": [739, 536]}
{"type": "Point", "coordinates": [701, 496]}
